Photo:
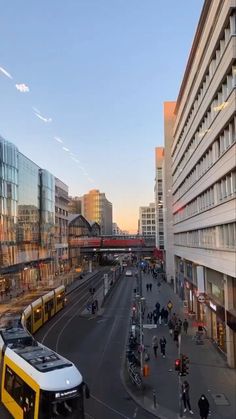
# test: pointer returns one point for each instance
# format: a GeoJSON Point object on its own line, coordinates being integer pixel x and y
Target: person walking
{"type": "Point", "coordinates": [155, 345]}
{"type": "Point", "coordinates": [155, 317]}
{"type": "Point", "coordinates": [158, 306]}
{"type": "Point", "coordinates": [150, 286]}
{"type": "Point", "coordinates": [171, 327]}
{"type": "Point", "coordinates": [185, 326]}
{"type": "Point", "coordinates": [162, 315]}
{"type": "Point", "coordinates": [149, 317]}
{"type": "Point", "coordinates": [185, 397]}
{"type": "Point", "coordinates": [203, 405]}
{"type": "Point", "coordinates": [166, 314]}
{"type": "Point", "coordinates": [163, 346]}
{"type": "Point", "coordinates": [169, 306]}
{"type": "Point", "coordinates": [176, 335]}
{"type": "Point", "coordinates": [147, 287]}
{"type": "Point", "coordinates": [174, 319]}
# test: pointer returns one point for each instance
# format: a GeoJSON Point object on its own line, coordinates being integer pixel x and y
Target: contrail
{"type": "Point", "coordinates": [5, 72]}
{"type": "Point", "coordinates": [43, 118]}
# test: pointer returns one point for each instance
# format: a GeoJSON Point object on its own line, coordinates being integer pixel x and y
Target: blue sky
{"type": "Point", "coordinates": [92, 76]}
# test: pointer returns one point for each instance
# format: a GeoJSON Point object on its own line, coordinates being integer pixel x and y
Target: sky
{"type": "Point", "coordinates": [82, 86]}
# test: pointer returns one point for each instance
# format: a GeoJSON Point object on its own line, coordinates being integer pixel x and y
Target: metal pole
{"type": "Point", "coordinates": [180, 380]}
{"type": "Point", "coordinates": [141, 335]}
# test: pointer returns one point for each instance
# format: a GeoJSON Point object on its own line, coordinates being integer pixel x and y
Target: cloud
{"type": "Point", "coordinates": [5, 72]}
{"type": "Point", "coordinates": [22, 87]}
{"type": "Point", "coordinates": [65, 149]}
{"type": "Point", "coordinates": [44, 119]}
{"type": "Point", "coordinates": [58, 139]}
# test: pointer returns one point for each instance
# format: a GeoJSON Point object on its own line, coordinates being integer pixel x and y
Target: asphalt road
{"type": "Point", "coordinates": [96, 345]}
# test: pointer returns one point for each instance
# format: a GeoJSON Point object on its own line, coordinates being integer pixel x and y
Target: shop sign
{"type": "Point", "coordinates": [201, 298]}
{"type": "Point", "coordinates": [213, 306]}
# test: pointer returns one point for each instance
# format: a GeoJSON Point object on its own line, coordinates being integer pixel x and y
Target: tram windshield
{"type": "Point", "coordinates": [62, 404]}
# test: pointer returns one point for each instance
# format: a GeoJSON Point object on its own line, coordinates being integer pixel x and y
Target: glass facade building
{"type": "Point", "coordinates": [27, 220]}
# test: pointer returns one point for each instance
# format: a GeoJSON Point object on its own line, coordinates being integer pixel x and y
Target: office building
{"type": "Point", "coordinates": [27, 221]}
{"type": "Point", "coordinates": [61, 226]}
{"type": "Point", "coordinates": [169, 119]}
{"type": "Point", "coordinates": [74, 206]}
{"type": "Point", "coordinates": [147, 220]}
{"type": "Point", "coordinates": [96, 207]}
{"type": "Point", "coordinates": [204, 176]}
{"type": "Point", "coordinates": [158, 190]}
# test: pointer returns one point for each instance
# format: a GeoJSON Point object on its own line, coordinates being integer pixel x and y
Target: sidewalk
{"type": "Point", "coordinates": [208, 372]}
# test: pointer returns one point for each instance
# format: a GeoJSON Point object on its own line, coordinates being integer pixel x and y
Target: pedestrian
{"type": "Point", "coordinates": [174, 319]}
{"type": "Point", "coordinates": [203, 405]}
{"type": "Point", "coordinates": [163, 346]}
{"type": "Point", "coordinates": [149, 317]}
{"type": "Point", "coordinates": [155, 317]}
{"type": "Point", "coordinates": [158, 306]}
{"type": "Point", "coordinates": [176, 336]}
{"type": "Point", "coordinates": [169, 306]}
{"type": "Point", "coordinates": [171, 327]}
{"type": "Point", "coordinates": [150, 286]}
{"type": "Point", "coordinates": [147, 287]}
{"type": "Point", "coordinates": [166, 314]}
{"type": "Point", "coordinates": [162, 314]}
{"type": "Point", "coordinates": [185, 326]}
{"type": "Point", "coordinates": [155, 345]}
{"type": "Point", "coordinates": [185, 397]}
{"type": "Point", "coordinates": [180, 325]}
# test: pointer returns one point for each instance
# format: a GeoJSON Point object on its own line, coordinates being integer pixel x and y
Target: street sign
{"type": "Point", "coordinates": [149, 326]}
{"type": "Point", "coordinates": [201, 298]}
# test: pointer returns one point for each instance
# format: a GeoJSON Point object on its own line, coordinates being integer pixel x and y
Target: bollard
{"type": "Point", "coordinates": [154, 398]}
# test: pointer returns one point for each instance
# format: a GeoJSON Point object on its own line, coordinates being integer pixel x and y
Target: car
{"type": "Point", "coordinates": [128, 273]}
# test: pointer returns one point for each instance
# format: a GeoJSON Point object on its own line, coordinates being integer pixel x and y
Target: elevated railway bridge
{"type": "Point", "coordinates": [115, 244]}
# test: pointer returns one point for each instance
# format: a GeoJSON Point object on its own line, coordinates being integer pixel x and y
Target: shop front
{"type": "Point", "coordinates": [217, 326]}
{"type": "Point", "coordinates": [189, 295]}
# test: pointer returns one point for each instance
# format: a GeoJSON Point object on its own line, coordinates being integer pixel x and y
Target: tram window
{"type": "Point", "coordinates": [60, 298]}
{"type": "Point", "coordinates": [37, 314]}
{"type": "Point", "coordinates": [9, 378]}
{"type": "Point", "coordinates": [20, 392]}
{"type": "Point", "coordinates": [48, 306]}
{"type": "Point", "coordinates": [28, 324]}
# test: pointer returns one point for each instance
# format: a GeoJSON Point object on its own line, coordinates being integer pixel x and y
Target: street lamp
{"type": "Point", "coordinates": [140, 302]}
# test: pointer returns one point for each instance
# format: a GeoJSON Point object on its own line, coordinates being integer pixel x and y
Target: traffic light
{"type": "Point", "coordinates": [178, 364]}
{"type": "Point", "coordinates": [184, 364]}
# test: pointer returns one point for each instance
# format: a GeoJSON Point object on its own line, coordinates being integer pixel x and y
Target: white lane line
{"type": "Point", "coordinates": [135, 412]}
{"type": "Point", "coordinates": [63, 314]}
{"type": "Point", "coordinates": [110, 408]}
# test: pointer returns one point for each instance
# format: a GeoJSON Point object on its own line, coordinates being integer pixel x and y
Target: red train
{"type": "Point", "coordinates": [107, 242]}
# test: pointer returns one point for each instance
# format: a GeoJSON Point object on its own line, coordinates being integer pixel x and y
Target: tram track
{"type": "Point", "coordinates": [77, 301]}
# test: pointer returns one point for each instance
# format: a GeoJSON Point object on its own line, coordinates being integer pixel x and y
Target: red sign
{"type": "Point", "coordinates": [158, 253]}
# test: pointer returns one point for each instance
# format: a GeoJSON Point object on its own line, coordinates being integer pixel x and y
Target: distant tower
{"type": "Point", "coordinates": [96, 207]}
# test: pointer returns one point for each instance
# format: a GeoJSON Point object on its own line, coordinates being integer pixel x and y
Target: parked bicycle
{"type": "Point", "coordinates": [134, 374]}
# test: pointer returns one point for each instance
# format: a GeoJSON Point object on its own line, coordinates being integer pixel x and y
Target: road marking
{"type": "Point", "coordinates": [109, 407]}
{"type": "Point", "coordinates": [135, 412]}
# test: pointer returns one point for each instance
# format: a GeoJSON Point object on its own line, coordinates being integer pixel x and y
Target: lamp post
{"type": "Point", "coordinates": [140, 303]}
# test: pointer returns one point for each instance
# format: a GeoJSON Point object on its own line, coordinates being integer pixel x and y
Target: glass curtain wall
{"type": "Point", "coordinates": [8, 211]}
